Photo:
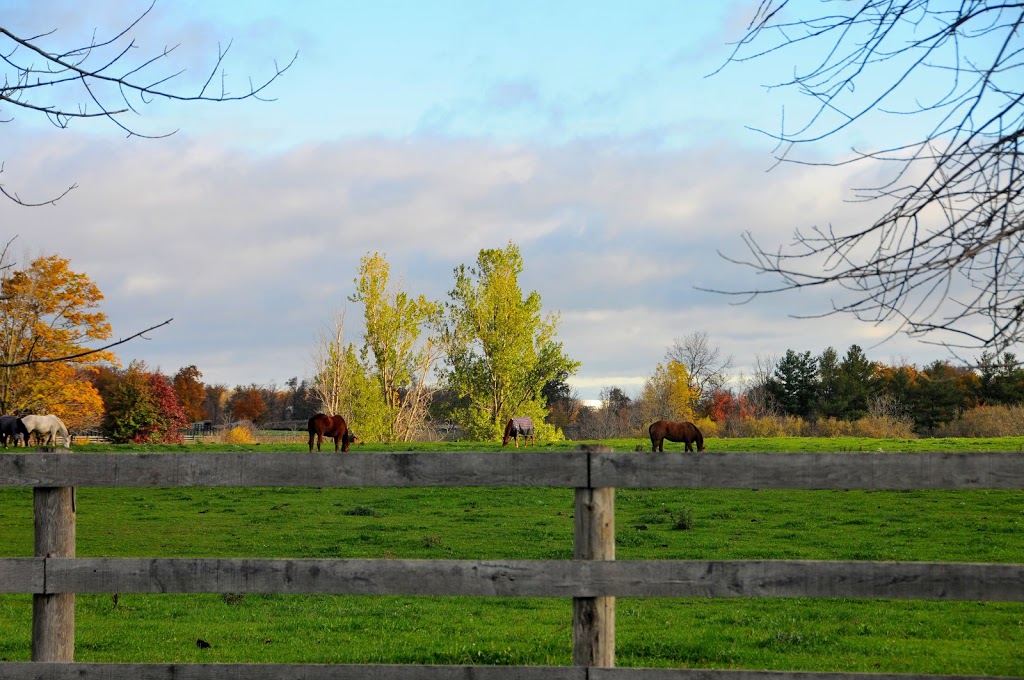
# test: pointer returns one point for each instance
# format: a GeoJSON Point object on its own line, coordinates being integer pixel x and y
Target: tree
{"type": "Point", "coordinates": [667, 394]}
{"type": "Point", "coordinates": [330, 370]}
{"type": "Point", "coordinates": [400, 336]}
{"type": "Point", "coordinates": [1001, 379]}
{"type": "Point", "coordinates": [107, 78]}
{"type": "Point", "coordinates": [794, 383]}
{"type": "Point", "coordinates": [941, 393]}
{"type": "Point", "coordinates": [191, 393]}
{"type": "Point", "coordinates": [247, 403]}
{"type": "Point", "coordinates": [141, 407]}
{"type": "Point", "coordinates": [500, 350]}
{"type": "Point", "coordinates": [857, 375]}
{"type": "Point", "coordinates": [830, 400]}
{"type": "Point", "coordinates": [47, 313]}
{"type": "Point", "coordinates": [215, 403]}
{"type": "Point", "coordinates": [944, 258]}
{"type": "Point", "coordinates": [708, 369]}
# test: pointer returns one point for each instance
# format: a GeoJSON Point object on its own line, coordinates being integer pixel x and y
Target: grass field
{"type": "Point", "coordinates": [531, 523]}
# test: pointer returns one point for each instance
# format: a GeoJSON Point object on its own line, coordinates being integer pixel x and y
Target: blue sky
{"type": "Point", "coordinates": [589, 133]}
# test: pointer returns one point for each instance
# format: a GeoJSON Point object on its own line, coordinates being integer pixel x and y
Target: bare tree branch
{"type": "Point", "coordinates": [100, 79]}
{"type": "Point", "coordinates": [29, 360]}
{"type": "Point", "coordinates": [945, 260]}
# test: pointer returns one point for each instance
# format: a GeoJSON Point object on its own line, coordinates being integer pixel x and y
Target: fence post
{"type": "Point", "coordinates": [593, 618]}
{"type": "Point", "coordinates": [53, 615]}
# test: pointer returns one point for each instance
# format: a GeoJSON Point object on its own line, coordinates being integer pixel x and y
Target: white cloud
{"type": "Point", "coordinates": [252, 254]}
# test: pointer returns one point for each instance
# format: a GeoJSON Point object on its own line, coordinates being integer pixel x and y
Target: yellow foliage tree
{"type": "Point", "coordinates": [667, 393]}
{"type": "Point", "coordinates": [48, 311]}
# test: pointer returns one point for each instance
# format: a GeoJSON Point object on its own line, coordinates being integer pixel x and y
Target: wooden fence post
{"type": "Point", "coordinates": [53, 615]}
{"type": "Point", "coordinates": [593, 618]}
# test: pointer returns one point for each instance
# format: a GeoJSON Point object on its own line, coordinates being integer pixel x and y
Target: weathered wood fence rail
{"type": "Point", "coordinates": [593, 579]}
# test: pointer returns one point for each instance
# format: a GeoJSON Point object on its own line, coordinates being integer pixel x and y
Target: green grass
{"type": "Point", "coordinates": [532, 523]}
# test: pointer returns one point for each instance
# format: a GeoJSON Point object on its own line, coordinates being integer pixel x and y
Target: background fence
{"type": "Point", "coordinates": [593, 578]}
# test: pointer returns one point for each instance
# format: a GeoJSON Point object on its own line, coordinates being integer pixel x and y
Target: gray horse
{"type": "Point", "coordinates": [48, 426]}
{"type": "Point", "coordinates": [12, 427]}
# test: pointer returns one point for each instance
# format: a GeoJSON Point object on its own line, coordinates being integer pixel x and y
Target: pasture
{"type": "Point", "coordinates": [531, 523]}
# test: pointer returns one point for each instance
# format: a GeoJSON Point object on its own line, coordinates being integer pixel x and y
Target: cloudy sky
{"type": "Point", "coordinates": [591, 134]}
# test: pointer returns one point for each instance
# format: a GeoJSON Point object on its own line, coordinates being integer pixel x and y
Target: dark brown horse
{"type": "Point", "coordinates": [519, 427]}
{"type": "Point", "coordinates": [335, 427]}
{"type": "Point", "coordinates": [675, 431]}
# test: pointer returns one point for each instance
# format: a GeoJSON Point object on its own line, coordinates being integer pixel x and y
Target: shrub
{"type": "Point", "coordinates": [884, 427]}
{"type": "Point", "coordinates": [831, 427]}
{"type": "Point", "coordinates": [707, 427]}
{"type": "Point", "coordinates": [239, 435]}
{"type": "Point", "coordinates": [986, 421]}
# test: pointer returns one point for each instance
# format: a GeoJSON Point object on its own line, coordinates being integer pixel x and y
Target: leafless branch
{"type": "Point", "coordinates": [945, 260]}
{"type": "Point", "coordinates": [70, 357]}
{"type": "Point", "coordinates": [101, 79]}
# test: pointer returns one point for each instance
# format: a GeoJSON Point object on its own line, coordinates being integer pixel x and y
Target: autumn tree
{"type": "Point", "coordinates": [400, 346]}
{"type": "Point", "coordinates": [944, 258]}
{"type": "Point", "coordinates": [247, 403]}
{"type": "Point", "coordinates": [707, 367]}
{"type": "Point", "coordinates": [141, 406]}
{"type": "Point", "coordinates": [48, 313]}
{"type": "Point", "coordinates": [501, 349]}
{"type": "Point", "coordinates": [215, 403]}
{"type": "Point", "coordinates": [191, 393]}
{"type": "Point", "coordinates": [667, 394]}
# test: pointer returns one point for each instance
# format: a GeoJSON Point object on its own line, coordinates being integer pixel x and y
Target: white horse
{"type": "Point", "coordinates": [49, 427]}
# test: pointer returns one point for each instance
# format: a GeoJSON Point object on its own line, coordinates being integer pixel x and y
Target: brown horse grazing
{"type": "Point", "coordinates": [517, 427]}
{"type": "Point", "coordinates": [675, 431]}
{"type": "Point", "coordinates": [322, 425]}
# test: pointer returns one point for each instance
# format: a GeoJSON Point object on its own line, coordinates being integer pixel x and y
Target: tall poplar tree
{"type": "Point", "coordinates": [501, 347]}
{"type": "Point", "coordinates": [401, 337]}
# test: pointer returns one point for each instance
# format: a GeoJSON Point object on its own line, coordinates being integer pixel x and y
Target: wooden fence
{"type": "Point", "coordinates": [593, 578]}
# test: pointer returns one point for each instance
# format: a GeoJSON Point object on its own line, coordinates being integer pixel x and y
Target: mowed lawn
{"type": "Point", "coordinates": [984, 638]}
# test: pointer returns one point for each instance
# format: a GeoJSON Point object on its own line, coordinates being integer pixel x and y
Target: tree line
{"type": "Point", "coordinates": [485, 354]}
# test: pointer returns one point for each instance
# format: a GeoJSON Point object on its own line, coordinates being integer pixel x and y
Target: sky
{"type": "Point", "coordinates": [602, 138]}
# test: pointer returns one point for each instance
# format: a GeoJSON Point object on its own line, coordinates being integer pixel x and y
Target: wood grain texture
{"type": "Point", "coordinates": [567, 469]}
{"type": "Point", "coordinates": [232, 671]}
{"type": "Point", "coordinates": [21, 575]}
{"type": "Point", "coordinates": [53, 615]}
{"type": "Point", "coordinates": [593, 617]}
{"type": "Point", "coordinates": [529, 578]}
{"type": "Point", "coordinates": [810, 470]}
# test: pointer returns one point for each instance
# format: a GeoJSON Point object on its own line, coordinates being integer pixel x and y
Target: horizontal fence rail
{"type": "Point", "coordinates": [518, 578]}
{"type": "Point", "coordinates": [568, 469]}
{"type": "Point", "coordinates": [593, 578]}
{"type": "Point", "coordinates": [234, 671]}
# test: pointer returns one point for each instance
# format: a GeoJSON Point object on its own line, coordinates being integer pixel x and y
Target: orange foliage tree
{"type": "Point", "coordinates": [248, 404]}
{"type": "Point", "coordinates": [191, 393]}
{"type": "Point", "coordinates": [48, 311]}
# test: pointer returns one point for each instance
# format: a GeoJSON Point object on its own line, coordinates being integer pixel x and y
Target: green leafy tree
{"type": "Point", "coordinates": [500, 348]}
{"type": "Point", "coordinates": [401, 339]}
{"type": "Point", "coordinates": [941, 393]}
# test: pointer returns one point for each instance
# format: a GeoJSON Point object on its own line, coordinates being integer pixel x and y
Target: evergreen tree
{"type": "Point", "coordinates": [794, 383]}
